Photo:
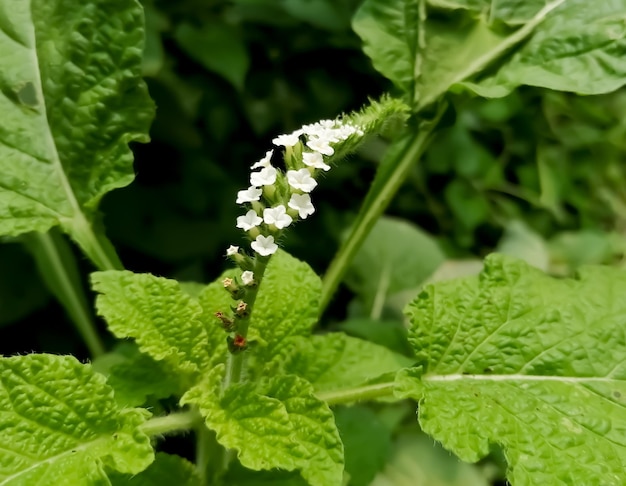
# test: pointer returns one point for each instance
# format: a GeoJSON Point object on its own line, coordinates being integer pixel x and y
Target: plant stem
{"type": "Point", "coordinates": [174, 422]}
{"type": "Point", "coordinates": [386, 183]}
{"type": "Point", "coordinates": [367, 392]}
{"type": "Point", "coordinates": [235, 363]}
{"type": "Point", "coordinates": [57, 266]}
{"type": "Point", "coordinates": [94, 244]}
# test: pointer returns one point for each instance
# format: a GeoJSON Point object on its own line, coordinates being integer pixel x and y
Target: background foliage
{"type": "Point", "coordinates": [537, 174]}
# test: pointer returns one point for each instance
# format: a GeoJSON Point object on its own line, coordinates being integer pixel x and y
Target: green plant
{"type": "Point", "coordinates": [511, 357]}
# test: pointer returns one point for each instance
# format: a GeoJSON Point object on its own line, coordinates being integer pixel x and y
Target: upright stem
{"type": "Point", "coordinates": [382, 191]}
{"type": "Point", "coordinates": [57, 266]}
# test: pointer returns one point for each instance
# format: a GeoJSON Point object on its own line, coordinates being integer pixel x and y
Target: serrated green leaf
{"type": "Point", "coordinates": [157, 314]}
{"type": "Point", "coordinates": [275, 423]}
{"type": "Point", "coordinates": [61, 425]}
{"type": "Point", "coordinates": [136, 377]}
{"type": "Point", "coordinates": [166, 469]}
{"type": "Point", "coordinates": [335, 361]}
{"type": "Point", "coordinates": [287, 304]}
{"type": "Point", "coordinates": [530, 362]}
{"type": "Point", "coordinates": [72, 99]}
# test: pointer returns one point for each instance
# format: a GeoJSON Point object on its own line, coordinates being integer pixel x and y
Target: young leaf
{"type": "Point", "coordinates": [157, 314]}
{"type": "Point", "coordinates": [72, 99]}
{"type": "Point", "coordinates": [530, 362]}
{"type": "Point", "coordinates": [333, 361]}
{"type": "Point", "coordinates": [166, 469]}
{"type": "Point", "coordinates": [61, 424]}
{"type": "Point", "coordinates": [276, 423]}
{"type": "Point", "coordinates": [287, 303]}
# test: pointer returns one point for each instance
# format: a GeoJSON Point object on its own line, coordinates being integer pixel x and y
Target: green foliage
{"type": "Point", "coordinates": [60, 424]}
{"type": "Point", "coordinates": [68, 124]}
{"type": "Point", "coordinates": [282, 425]}
{"type": "Point", "coordinates": [518, 358]}
{"type": "Point", "coordinates": [157, 314]}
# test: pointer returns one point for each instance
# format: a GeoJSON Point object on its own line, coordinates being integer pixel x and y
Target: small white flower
{"type": "Point", "coordinates": [277, 216]}
{"type": "Point", "coordinates": [232, 250]}
{"type": "Point", "coordinates": [265, 177]}
{"type": "Point", "coordinates": [247, 277]}
{"type": "Point", "coordinates": [264, 245]}
{"type": "Point", "coordinates": [249, 220]}
{"type": "Point", "coordinates": [302, 203]}
{"type": "Point", "coordinates": [320, 145]}
{"type": "Point", "coordinates": [265, 161]}
{"type": "Point", "coordinates": [249, 195]}
{"type": "Point", "coordinates": [288, 140]}
{"type": "Point", "coordinates": [315, 160]}
{"type": "Point", "coordinates": [301, 179]}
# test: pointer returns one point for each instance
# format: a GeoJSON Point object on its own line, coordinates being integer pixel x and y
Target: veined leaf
{"type": "Point", "coordinates": [334, 361]}
{"type": "Point", "coordinates": [276, 423]}
{"type": "Point", "coordinates": [71, 100]}
{"type": "Point", "coordinates": [429, 47]}
{"type": "Point", "coordinates": [157, 314]}
{"type": "Point", "coordinates": [61, 425]}
{"type": "Point", "coordinates": [533, 363]}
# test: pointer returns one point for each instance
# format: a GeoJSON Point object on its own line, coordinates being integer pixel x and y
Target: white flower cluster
{"type": "Point", "coordinates": [318, 139]}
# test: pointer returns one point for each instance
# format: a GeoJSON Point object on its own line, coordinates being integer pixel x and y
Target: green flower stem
{"type": "Point", "coordinates": [235, 363]}
{"type": "Point", "coordinates": [359, 394]}
{"type": "Point", "coordinates": [382, 191]}
{"type": "Point", "coordinates": [174, 422]}
{"type": "Point", "coordinates": [95, 244]}
{"type": "Point", "coordinates": [57, 266]}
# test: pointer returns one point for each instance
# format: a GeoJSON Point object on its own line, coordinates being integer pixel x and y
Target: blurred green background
{"type": "Point", "coordinates": [538, 174]}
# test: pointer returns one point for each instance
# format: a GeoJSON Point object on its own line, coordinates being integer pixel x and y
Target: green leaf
{"type": "Point", "coordinates": [335, 361]}
{"type": "Point", "coordinates": [219, 48]}
{"type": "Point", "coordinates": [136, 377]}
{"type": "Point", "coordinates": [72, 99]}
{"type": "Point", "coordinates": [157, 314]}
{"type": "Point", "coordinates": [367, 443]}
{"type": "Point", "coordinates": [527, 361]}
{"type": "Point", "coordinates": [61, 425]}
{"type": "Point", "coordinates": [166, 469]}
{"type": "Point", "coordinates": [275, 423]}
{"type": "Point", "coordinates": [579, 48]}
{"type": "Point", "coordinates": [395, 256]}
{"type": "Point", "coordinates": [428, 48]}
{"type": "Point", "coordinates": [287, 303]}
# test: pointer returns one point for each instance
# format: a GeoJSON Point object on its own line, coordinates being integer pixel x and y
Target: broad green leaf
{"type": "Point", "coordinates": [579, 48]}
{"type": "Point", "coordinates": [166, 469]}
{"type": "Point", "coordinates": [366, 440]}
{"type": "Point", "coordinates": [218, 47]}
{"type": "Point", "coordinates": [335, 361]}
{"type": "Point", "coordinates": [287, 303]}
{"type": "Point", "coordinates": [428, 48]}
{"type": "Point", "coordinates": [72, 99]}
{"type": "Point", "coordinates": [157, 314]}
{"type": "Point", "coordinates": [530, 362]}
{"type": "Point", "coordinates": [61, 425]}
{"type": "Point", "coordinates": [276, 423]}
{"type": "Point", "coordinates": [136, 377]}
{"type": "Point", "coordinates": [388, 333]}
{"type": "Point", "coordinates": [395, 256]}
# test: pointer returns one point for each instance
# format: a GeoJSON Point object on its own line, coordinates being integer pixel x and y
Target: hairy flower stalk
{"type": "Point", "coordinates": [275, 200]}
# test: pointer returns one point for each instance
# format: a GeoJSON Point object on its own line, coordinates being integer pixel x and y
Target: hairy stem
{"type": "Point", "coordinates": [172, 423]}
{"type": "Point", "coordinates": [388, 180]}
{"type": "Point", "coordinates": [359, 394]}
